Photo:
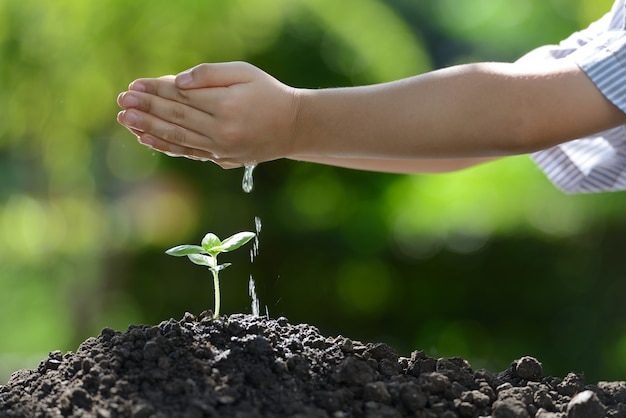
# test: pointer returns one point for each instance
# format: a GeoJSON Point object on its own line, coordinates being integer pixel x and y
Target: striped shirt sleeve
{"type": "Point", "coordinates": [604, 61]}
{"type": "Point", "coordinates": [596, 163]}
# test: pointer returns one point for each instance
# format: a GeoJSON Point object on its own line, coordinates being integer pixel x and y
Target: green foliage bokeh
{"type": "Point", "coordinates": [490, 263]}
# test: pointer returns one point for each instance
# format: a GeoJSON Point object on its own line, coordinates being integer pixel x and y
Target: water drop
{"type": "Point", "coordinates": [247, 183]}
{"type": "Point", "coordinates": [255, 299]}
{"type": "Point", "coordinates": [254, 252]}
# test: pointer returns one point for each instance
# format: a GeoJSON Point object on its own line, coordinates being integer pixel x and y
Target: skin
{"type": "Point", "coordinates": [235, 114]}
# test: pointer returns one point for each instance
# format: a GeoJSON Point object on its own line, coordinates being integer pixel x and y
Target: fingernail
{"type": "Point", "coordinates": [146, 140]}
{"type": "Point", "coordinates": [184, 79]}
{"type": "Point", "coordinates": [130, 118]}
{"type": "Point", "coordinates": [137, 86]}
{"type": "Point", "coordinates": [129, 100]}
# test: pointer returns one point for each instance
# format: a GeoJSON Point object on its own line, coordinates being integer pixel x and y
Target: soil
{"type": "Point", "coordinates": [244, 366]}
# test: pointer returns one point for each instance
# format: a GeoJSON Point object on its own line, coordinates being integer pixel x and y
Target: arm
{"type": "Point", "coordinates": [477, 110]}
{"type": "Point", "coordinates": [401, 166]}
{"type": "Point", "coordinates": [234, 113]}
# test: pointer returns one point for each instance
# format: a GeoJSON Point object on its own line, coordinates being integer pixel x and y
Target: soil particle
{"type": "Point", "coordinates": [529, 368]}
{"type": "Point", "coordinates": [585, 405]}
{"type": "Point", "coordinates": [243, 366]}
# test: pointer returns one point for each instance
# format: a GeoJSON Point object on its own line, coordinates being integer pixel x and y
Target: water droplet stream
{"type": "Point", "coordinates": [248, 182]}
{"type": "Point", "coordinates": [255, 299]}
{"type": "Point", "coordinates": [255, 245]}
{"type": "Point", "coordinates": [253, 253]}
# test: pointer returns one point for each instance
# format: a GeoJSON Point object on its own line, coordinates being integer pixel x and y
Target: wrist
{"type": "Point", "coordinates": [295, 130]}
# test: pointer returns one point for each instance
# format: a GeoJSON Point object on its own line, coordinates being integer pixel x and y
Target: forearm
{"type": "Point", "coordinates": [400, 166]}
{"type": "Point", "coordinates": [479, 110]}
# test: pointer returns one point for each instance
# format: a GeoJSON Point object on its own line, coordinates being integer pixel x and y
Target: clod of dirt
{"type": "Point", "coordinates": [243, 366]}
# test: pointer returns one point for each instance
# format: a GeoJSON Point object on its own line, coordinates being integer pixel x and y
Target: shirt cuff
{"type": "Point", "coordinates": [604, 62]}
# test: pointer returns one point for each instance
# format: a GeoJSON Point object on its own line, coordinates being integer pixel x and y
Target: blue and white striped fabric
{"type": "Point", "coordinates": [596, 163]}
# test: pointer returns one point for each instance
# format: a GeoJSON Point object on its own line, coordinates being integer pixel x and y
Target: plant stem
{"type": "Point", "coordinates": [216, 291]}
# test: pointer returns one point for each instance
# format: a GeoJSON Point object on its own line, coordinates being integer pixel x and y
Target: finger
{"type": "Point", "coordinates": [201, 99]}
{"type": "Point", "coordinates": [120, 120]}
{"type": "Point", "coordinates": [173, 150]}
{"type": "Point", "coordinates": [166, 131]}
{"type": "Point", "coordinates": [140, 84]}
{"type": "Point", "coordinates": [179, 151]}
{"type": "Point", "coordinates": [147, 140]}
{"type": "Point", "coordinates": [168, 110]}
{"type": "Point", "coordinates": [162, 86]}
{"type": "Point", "coordinates": [215, 75]}
{"type": "Point", "coordinates": [134, 131]}
{"type": "Point", "coordinates": [228, 165]}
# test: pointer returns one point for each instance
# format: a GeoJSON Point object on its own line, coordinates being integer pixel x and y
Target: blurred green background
{"type": "Point", "coordinates": [490, 263]}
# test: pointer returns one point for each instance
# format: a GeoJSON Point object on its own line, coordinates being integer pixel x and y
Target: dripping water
{"type": "Point", "coordinates": [253, 253]}
{"type": "Point", "coordinates": [248, 183]}
{"type": "Point", "coordinates": [255, 299]}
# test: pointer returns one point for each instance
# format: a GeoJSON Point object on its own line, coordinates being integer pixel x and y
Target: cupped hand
{"type": "Point", "coordinates": [230, 113]}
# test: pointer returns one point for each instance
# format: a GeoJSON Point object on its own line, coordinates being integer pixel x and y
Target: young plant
{"type": "Point", "coordinates": [206, 255]}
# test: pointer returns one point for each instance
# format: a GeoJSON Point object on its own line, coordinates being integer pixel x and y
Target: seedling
{"type": "Point", "coordinates": [206, 255]}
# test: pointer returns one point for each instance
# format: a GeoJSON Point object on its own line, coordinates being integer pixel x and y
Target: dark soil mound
{"type": "Point", "coordinates": [244, 366]}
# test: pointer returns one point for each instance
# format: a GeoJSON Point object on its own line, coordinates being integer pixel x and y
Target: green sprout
{"type": "Point", "coordinates": [206, 255]}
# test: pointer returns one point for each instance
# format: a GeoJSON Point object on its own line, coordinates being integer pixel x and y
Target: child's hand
{"type": "Point", "coordinates": [230, 113]}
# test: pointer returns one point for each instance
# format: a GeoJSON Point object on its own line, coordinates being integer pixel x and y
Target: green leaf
{"type": "Point", "coordinates": [210, 241]}
{"type": "Point", "coordinates": [235, 241]}
{"type": "Point", "coordinates": [181, 250]}
{"type": "Point", "coordinates": [202, 260]}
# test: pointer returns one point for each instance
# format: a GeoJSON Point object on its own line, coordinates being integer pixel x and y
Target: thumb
{"type": "Point", "coordinates": [215, 75]}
